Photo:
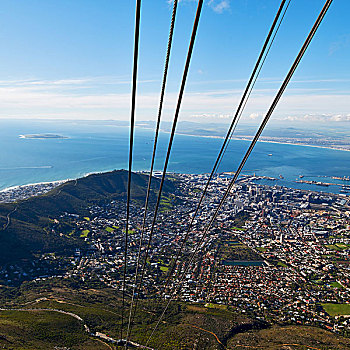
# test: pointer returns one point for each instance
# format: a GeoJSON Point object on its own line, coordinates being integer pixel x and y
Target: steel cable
{"type": "Point", "coordinates": [131, 146]}
{"type": "Point", "coordinates": [250, 85]}
{"type": "Point", "coordinates": [165, 74]}
{"type": "Point", "coordinates": [172, 134]}
{"type": "Point", "coordinates": [247, 154]}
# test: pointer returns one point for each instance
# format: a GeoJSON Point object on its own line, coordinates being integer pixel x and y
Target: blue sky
{"type": "Point", "coordinates": [73, 59]}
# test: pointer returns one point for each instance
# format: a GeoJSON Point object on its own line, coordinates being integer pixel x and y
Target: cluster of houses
{"type": "Point", "coordinates": [293, 248]}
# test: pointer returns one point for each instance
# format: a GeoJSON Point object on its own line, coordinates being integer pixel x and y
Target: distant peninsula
{"type": "Point", "coordinates": [42, 136]}
{"type": "Point", "coordinates": [336, 138]}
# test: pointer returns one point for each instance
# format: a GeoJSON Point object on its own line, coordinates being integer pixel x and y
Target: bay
{"type": "Point", "coordinates": [96, 147]}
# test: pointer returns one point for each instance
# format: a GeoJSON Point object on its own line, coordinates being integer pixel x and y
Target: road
{"type": "Point", "coordinates": [100, 336]}
{"type": "Point", "coordinates": [9, 219]}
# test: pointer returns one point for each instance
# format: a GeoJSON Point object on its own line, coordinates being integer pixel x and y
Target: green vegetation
{"type": "Point", "coordinates": [130, 232]}
{"type": "Point", "coordinates": [282, 264]}
{"type": "Point", "coordinates": [207, 326]}
{"type": "Point", "coordinates": [237, 228]}
{"type": "Point", "coordinates": [261, 249]}
{"type": "Point", "coordinates": [289, 337]}
{"type": "Point", "coordinates": [42, 330]}
{"type": "Point", "coordinates": [27, 235]}
{"type": "Point", "coordinates": [215, 306]}
{"type": "Point", "coordinates": [166, 203]}
{"type": "Point", "coordinates": [337, 246]}
{"type": "Point", "coordinates": [238, 252]}
{"type": "Point", "coordinates": [336, 309]}
{"type": "Point", "coordinates": [99, 307]}
{"type": "Point", "coordinates": [336, 285]}
{"type": "Point", "coordinates": [240, 219]}
{"type": "Point", "coordinates": [342, 245]}
{"type": "Point", "coordinates": [331, 246]}
{"type": "Point", "coordinates": [84, 233]}
{"type": "Point", "coordinates": [71, 233]}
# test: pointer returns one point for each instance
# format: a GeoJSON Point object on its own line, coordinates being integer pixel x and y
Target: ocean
{"type": "Point", "coordinates": [98, 147]}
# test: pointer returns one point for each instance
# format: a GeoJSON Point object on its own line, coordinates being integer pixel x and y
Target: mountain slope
{"type": "Point", "coordinates": [23, 225]}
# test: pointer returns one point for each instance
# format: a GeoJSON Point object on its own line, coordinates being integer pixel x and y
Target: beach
{"type": "Point", "coordinates": [247, 138]}
{"type": "Point", "coordinates": [21, 192]}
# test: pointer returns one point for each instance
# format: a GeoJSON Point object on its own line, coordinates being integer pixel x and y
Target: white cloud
{"type": "Point", "coordinates": [211, 116]}
{"type": "Point", "coordinates": [341, 43]}
{"type": "Point", "coordinates": [254, 116]}
{"type": "Point", "coordinates": [109, 97]}
{"type": "Point", "coordinates": [219, 6]}
{"type": "Point", "coordinates": [320, 118]}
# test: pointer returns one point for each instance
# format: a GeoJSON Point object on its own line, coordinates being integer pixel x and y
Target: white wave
{"type": "Point", "coordinates": [29, 167]}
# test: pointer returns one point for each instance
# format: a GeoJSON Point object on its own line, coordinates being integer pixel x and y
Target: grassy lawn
{"type": "Point", "coordinates": [109, 229]}
{"type": "Point", "coordinates": [332, 246]}
{"type": "Point", "coordinates": [261, 249]}
{"type": "Point", "coordinates": [237, 228]}
{"type": "Point", "coordinates": [280, 263]}
{"type": "Point", "coordinates": [233, 250]}
{"type": "Point", "coordinates": [341, 245]}
{"type": "Point", "coordinates": [215, 306]}
{"type": "Point", "coordinates": [86, 218]}
{"type": "Point", "coordinates": [130, 232]}
{"type": "Point", "coordinates": [337, 246]}
{"type": "Point", "coordinates": [164, 268]}
{"type": "Point", "coordinates": [336, 285]}
{"type": "Point", "coordinates": [84, 233]}
{"type": "Point", "coordinates": [336, 309]}
{"type": "Point", "coordinates": [166, 203]}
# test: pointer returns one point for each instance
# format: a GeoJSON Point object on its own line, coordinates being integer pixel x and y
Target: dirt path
{"type": "Point", "coordinates": [204, 330]}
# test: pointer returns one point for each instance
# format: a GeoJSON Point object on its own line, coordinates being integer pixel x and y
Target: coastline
{"type": "Point", "coordinates": [32, 186]}
{"type": "Point", "coordinates": [142, 167]}
{"type": "Point", "coordinates": [265, 141]}
{"type": "Point", "coordinates": [248, 139]}
{"type": "Point", "coordinates": [14, 188]}
{"type": "Point", "coordinates": [54, 182]}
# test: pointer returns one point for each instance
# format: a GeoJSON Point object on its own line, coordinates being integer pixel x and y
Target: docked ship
{"type": "Point", "coordinates": [321, 184]}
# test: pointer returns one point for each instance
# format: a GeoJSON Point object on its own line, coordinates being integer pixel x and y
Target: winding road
{"type": "Point", "coordinates": [9, 219]}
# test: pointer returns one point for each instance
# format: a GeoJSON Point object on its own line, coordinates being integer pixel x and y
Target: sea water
{"type": "Point", "coordinates": [95, 147]}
